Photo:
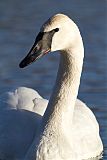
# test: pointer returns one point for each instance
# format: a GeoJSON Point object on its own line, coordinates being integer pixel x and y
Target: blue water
{"type": "Point", "coordinates": [20, 22]}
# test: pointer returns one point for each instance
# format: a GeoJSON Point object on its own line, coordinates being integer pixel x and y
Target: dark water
{"type": "Point", "coordinates": [19, 23]}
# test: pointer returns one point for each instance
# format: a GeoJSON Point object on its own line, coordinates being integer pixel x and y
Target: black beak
{"type": "Point", "coordinates": [38, 50]}
{"type": "Point", "coordinates": [41, 47]}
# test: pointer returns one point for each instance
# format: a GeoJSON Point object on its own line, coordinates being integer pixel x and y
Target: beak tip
{"type": "Point", "coordinates": [21, 65]}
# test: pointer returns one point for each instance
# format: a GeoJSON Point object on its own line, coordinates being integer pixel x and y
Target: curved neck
{"type": "Point", "coordinates": [62, 101]}
{"type": "Point", "coordinates": [60, 109]}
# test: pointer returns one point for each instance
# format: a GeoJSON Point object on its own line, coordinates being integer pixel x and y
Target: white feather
{"type": "Point", "coordinates": [68, 130]}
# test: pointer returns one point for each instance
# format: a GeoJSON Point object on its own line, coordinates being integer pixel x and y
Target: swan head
{"type": "Point", "coordinates": [58, 33]}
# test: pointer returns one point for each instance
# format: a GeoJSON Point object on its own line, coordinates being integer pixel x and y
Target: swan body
{"type": "Point", "coordinates": [63, 129]}
{"type": "Point", "coordinates": [21, 113]}
{"type": "Point", "coordinates": [24, 98]}
{"type": "Point", "coordinates": [14, 103]}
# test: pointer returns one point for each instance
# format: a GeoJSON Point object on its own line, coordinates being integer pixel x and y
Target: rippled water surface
{"type": "Point", "coordinates": [19, 23]}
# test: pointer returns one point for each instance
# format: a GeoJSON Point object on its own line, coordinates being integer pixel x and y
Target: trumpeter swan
{"type": "Point", "coordinates": [68, 129]}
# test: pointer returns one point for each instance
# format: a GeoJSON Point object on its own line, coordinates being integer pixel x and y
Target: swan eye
{"type": "Point", "coordinates": [56, 29]}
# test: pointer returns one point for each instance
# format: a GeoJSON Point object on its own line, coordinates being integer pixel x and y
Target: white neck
{"type": "Point", "coordinates": [57, 120]}
{"type": "Point", "coordinates": [59, 113]}
{"type": "Point", "coordinates": [62, 101]}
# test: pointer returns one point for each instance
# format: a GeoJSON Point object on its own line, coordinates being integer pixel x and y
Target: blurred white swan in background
{"type": "Point", "coordinates": [24, 98]}
{"type": "Point", "coordinates": [68, 130]}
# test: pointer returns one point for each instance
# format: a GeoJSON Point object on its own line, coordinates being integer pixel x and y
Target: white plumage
{"type": "Point", "coordinates": [68, 130]}
{"type": "Point", "coordinates": [24, 98]}
{"type": "Point", "coordinates": [20, 116]}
